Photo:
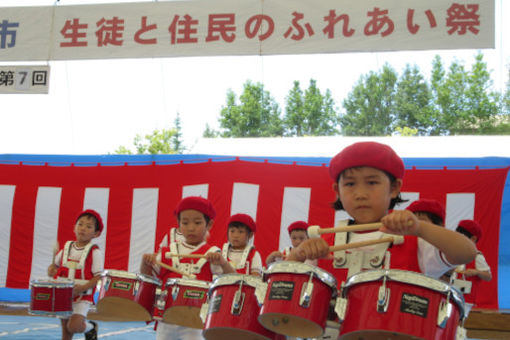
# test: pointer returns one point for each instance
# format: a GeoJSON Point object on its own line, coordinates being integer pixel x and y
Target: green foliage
{"type": "Point", "coordinates": [311, 114]}
{"type": "Point", "coordinates": [209, 132]}
{"type": "Point", "coordinates": [257, 114]}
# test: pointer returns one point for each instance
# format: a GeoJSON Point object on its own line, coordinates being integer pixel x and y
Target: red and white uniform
{"type": "Point", "coordinates": [479, 264]}
{"type": "Point", "coordinates": [244, 261]}
{"type": "Point", "coordinates": [200, 268]}
{"type": "Point", "coordinates": [414, 255]}
{"type": "Point", "coordinates": [80, 265]}
{"type": "Point", "coordinates": [174, 235]}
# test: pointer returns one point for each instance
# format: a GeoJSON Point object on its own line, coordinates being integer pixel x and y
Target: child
{"type": "Point", "coordinates": [173, 235]}
{"type": "Point", "coordinates": [195, 216]}
{"type": "Point", "coordinates": [242, 256]}
{"type": "Point", "coordinates": [367, 181]}
{"type": "Point", "coordinates": [297, 233]}
{"type": "Point", "coordinates": [82, 262]}
{"type": "Point", "coordinates": [477, 270]}
{"type": "Point", "coordinates": [428, 210]}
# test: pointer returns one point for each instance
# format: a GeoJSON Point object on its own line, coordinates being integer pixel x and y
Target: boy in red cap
{"type": "Point", "coordinates": [428, 210]}
{"type": "Point", "coordinates": [367, 179]}
{"type": "Point", "coordinates": [81, 261]}
{"type": "Point", "coordinates": [240, 254]}
{"type": "Point", "coordinates": [195, 216]}
{"type": "Point", "coordinates": [297, 233]}
{"type": "Point", "coordinates": [479, 269]}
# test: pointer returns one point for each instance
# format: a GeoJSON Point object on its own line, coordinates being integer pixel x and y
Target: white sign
{"type": "Point", "coordinates": [24, 79]}
{"type": "Point", "coordinates": [248, 27]}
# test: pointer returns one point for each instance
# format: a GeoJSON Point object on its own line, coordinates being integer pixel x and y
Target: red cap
{"type": "Point", "coordinates": [429, 206]}
{"type": "Point", "coordinates": [473, 227]}
{"type": "Point", "coordinates": [372, 154]}
{"type": "Point", "coordinates": [244, 219]}
{"type": "Point", "coordinates": [196, 203]}
{"type": "Point", "coordinates": [96, 215]}
{"type": "Point", "coordinates": [297, 225]}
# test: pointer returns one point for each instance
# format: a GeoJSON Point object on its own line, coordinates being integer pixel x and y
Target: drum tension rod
{"type": "Point", "coordinates": [238, 300]}
{"type": "Point", "coordinates": [306, 293]}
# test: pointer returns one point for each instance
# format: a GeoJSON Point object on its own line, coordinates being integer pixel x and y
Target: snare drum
{"type": "Point", "coordinates": [180, 302]}
{"type": "Point", "coordinates": [232, 310]}
{"type": "Point", "coordinates": [297, 299]}
{"type": "Point", "coordinates": [126, 296]}
{"type": "Point", "coordinates": [51, 297]}
{"type": "Point", "coordinates": [397, 304]}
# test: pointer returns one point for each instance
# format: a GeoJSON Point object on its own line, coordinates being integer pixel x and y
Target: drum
{"type": "Point", "coordinates": [51, 297]}
{"type": "Point", "coordinates": [397, 304]}
{"type": "Point", "coordinates": [297, 299]}
{"type": "Point", "coordinates": [233, 308]}
{"type": "Point", "coordinates": [180, 302]}
{"type": "Point", "coordinates": [126, 296]}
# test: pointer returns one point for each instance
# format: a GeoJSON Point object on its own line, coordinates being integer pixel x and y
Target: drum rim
{"type": "Point", "coordinates": [405, 276]}
{"type": "Point", "coordinates": [53, 283]}
{"type": "Point", "coordinates": [302, 268]}
{"type": "Point", "coordinates": [233, 278]}
{"type": "Point", "coordinates": [119, 273]}
{"type": "Point", "coordinates": [188, 282]}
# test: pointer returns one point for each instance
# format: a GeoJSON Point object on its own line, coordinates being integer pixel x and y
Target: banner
{"type": "Point", "coordinates": [24, 79]}
{"type": "Point", "coordinates": [249, 27]}
{"type": "Point", "coordinates": [39, 204]}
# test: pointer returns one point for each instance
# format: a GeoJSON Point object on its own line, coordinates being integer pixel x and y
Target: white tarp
{"type": "Point", "coordinates": [248, 27]}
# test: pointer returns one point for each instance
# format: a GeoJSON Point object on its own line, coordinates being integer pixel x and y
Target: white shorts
{"type": "Point", "coordinates": [167, 331]}
{"type": "Point", "coordinates": [81, 308]}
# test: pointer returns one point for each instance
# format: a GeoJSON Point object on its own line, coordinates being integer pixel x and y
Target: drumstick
{"type": "Point", "coordinates": [393, 239]}
{"type": "Point", "coordinates": [315, 230]}
{"type": "Point", "coordinates": [172, 269]}
{"type": "Point", "coordinates": [191, 256]}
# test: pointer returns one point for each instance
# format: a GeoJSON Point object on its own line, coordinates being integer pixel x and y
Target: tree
{"type": "Point", "coordinates": [257, 115]}
{"type": "Point", "coordinates": [176, 139]}
{"type": "Point", "coordinates": [210, 132]}
{"type": "Point", "coordinates": [311, 114]}
{"type": "Point", "coordinates": [370, 105]}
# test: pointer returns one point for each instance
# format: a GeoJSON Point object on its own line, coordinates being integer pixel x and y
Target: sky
{"type": "Point", "coordinates": [95, 106]}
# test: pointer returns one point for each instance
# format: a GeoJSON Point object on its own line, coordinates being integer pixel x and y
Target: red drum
{"type": "Point", "coordinates": [51, 297]}
{"type": "Point", "coordinates": [181, 301]}
{"type": "Point", "coordinates": [233, 308]}
{"type": "Point", "coordinates": [397, 304]}
{"type": "Point", "coordinates": [297, 299]}
{"type": "Point", "coordinates": [126, 296]}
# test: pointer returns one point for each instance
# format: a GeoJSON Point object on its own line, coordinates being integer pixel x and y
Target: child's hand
{"type": "Point", "coordinates": [273, 256]}
{"type": "Point", "coordinates": [78, 289]}
{"type": "Point", "coordinates": [216, 258]}
{"type": "Point", "coordinates": [311, 249]}
{"type": "Point", "coordinates": [149, 259]}
{"type": "Point", "coordinates": [400, 222]}
{"type": "Point", "coordinates": [52, 270]}
{"type": "Point", "coordinates": [470, 272]}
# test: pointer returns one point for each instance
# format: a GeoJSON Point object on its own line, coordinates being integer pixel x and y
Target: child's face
{"type": "Point", "coordinates": [366, 193]}
{"type": "Point", "coordinates": [193, 226]}
{"type": "Point", "coordinates": [298, 236]}
{"type": "Point", "coordinates": [85, 229]}
{"type": "Point", "coordinates": [238, 237]}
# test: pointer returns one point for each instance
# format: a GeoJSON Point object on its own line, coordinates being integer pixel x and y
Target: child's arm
{"type": "Point", "coordinates": [80, 288]}
{"type": "Point", "coordinates": [273, 256]}
{"type": "Point", "coordinates": [52, 270]}
{"type": "Point", "coordinates": [148, 261]}
{"type": "Point", "coordinates": [217, 259]}
{"type": "Point", "coordinates": [311, 249]}
{"type": "Point", "coordinates": [485, 275]}
{"type": "Point", "coordinates": [456, 248]}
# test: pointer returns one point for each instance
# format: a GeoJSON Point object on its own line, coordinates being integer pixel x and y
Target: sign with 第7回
{"type": "Point", "coordinates": [24, 79]}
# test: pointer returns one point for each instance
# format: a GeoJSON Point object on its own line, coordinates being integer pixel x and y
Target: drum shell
{"type": "Point", "coordinates": [412, 311]}
{"type": "Point", "coordinates": [51, 298]}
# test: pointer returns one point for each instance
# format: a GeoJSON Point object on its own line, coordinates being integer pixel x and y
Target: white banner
{"type": "Point", "coordinates": [24, 79]}
{"type": "Point", "coordinates": [248, 27]}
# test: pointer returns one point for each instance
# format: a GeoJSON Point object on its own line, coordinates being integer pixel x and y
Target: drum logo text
{"type": "Point", "coordinates": [281, 290]}
{"type": "Point", "coordinates": [121, 285]}
{"type": "Point", "coordinates": [414, 304]}
{"type": "Point", "coordinates": [194, 294]}
{"type": "Point", "coordinates": [42, 296]}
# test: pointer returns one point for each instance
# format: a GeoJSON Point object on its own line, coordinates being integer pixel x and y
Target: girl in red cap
{"type": "Point", "coordinates": [240, 254]}
{"type": "Point", "coordinates": [479, 269]}
{"type": "Point", "coordinates": [81, 261]}
{"type": "Point", "coordinates": [195, 216]}
{"type": "Point", "coordinates": [297, 233]}
{"type": "Point", "coordinates": [367, 181]}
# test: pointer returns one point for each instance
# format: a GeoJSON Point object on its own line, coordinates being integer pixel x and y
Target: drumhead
{"type": "Point", "coordinates": [120, 273]}
{"type": "Point", "coordinates": [302, 268]}
{"type": "Point", "coordinates": [410, 278]}
{"type": "Point", "coordinates": [235, 279]}
{"type": "Point", "coordinates": [188, 282]}
{"type": "Point", "coordinates": [149, 279]}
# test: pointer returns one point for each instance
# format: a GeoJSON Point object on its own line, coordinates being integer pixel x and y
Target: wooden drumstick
{"type": "Point", "coordinates": [393, 239]}
{"type": "Point", "coordinates": [172, 269]}
{"type": "Point", "coordinates": [315, 230]}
